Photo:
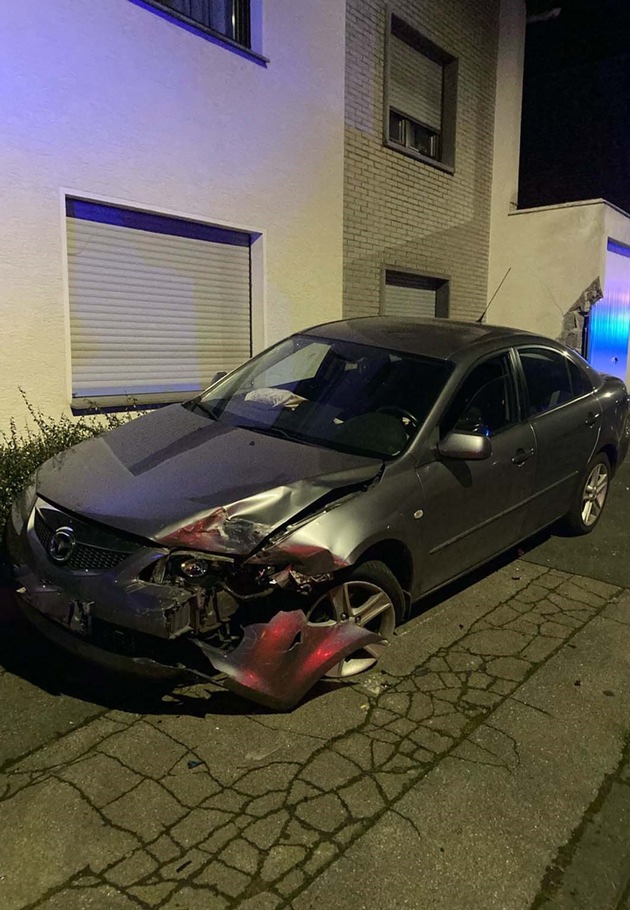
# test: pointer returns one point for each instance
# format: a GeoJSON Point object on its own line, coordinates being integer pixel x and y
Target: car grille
{"type": "Point", "coordinates": [85, 556]}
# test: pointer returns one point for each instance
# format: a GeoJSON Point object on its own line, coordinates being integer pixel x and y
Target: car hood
{"type": "Point", "coordinates": [179, 478]}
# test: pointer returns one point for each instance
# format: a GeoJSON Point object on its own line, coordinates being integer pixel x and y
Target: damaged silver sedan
{"type": "Point", "coordinates": [277, 527]}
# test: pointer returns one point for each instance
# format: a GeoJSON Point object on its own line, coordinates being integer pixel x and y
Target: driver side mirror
{"type": "Point", "coordinates": [218, 376]}
{"type": "Point", "coordinates": [465, 446]}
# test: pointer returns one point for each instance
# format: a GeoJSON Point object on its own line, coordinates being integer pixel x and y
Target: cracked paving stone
{"type": "Point", "coordinates": [529, 625]}
{"type": "Point", "coordinates": [263, 805]}
{"type": "Point", "coordinates": [145, 750]}
{"type": "Point", "coordinates": [101, 778]}
{"type": "Point", "coordinates": [402, 727]}
{"type": "Point", "coordinates": [539, 649]}
{"type": "Point", "coordinates": [220, 838]}
{"type": "Point", "coordinates": [291, 882]}
{"type": "Point", "coordinates": [280, 860]}
{"type": "Point", "coordinates": [533, 593]}
{"type": "Point", "coordinates": [74, 821]}
{"type": "Point", "coordinates": [146, 811]}
{"type": "Point", "coordinates": [325, 813]}
{"type": "Point", "coordinates": [553, 630]}
{"type": "Point", "coordinates": [483, 698]}
{"type": "Point", "coordinates": [190, 787]}
{"type": "Point", "coordinates": [398, 702]}
{"type": "Point", "coordinates": [421, 707]}
{"type": "Point", "coordinates": [184, 867]}
{"type": "Point", "coordinates": [224, 878]}
{"type": "Point", "coordinates": [450, 695]}
{"type": "Point", "coordinates": [479, 680]}
{"type": "Point", "coordinates": [451, 680]}
{"type": "Point", "coordinates": [264, 900]}
{"type": "Point", "coordinates": [241, 855]}
{"type": "Point", "coordinates": [260, 781]}
{"type": "Point", "coordinates": [437, 664]}
{"type": "Point", "coordinates": [300, 791]}
{"type": "Point", "coordinates": [429, 683]}
{"type": "Point", "coordinates": [363, 798]}
{"type": "Point", "coordinates": [322, 855]}
{"type": "Point", "coordinates": [198, 825]}
{"type": "Point", "coordinates": [393, 784]}
{"type": "Point", "coordinates": [349, 833]}
{"type": "Point", "coordinates": [451, 724]}
{"type": "Point", "coordinates": [499, 642]}
{"type": "Point", "coordinates": [503, 686]}
{"type": "Point", "coordinates": [228, 801]}
{"type": "Point", "coordinates": [152, 894]}
{"type": "Point", "coordinates": [131, 869]}
{"type": "Point", "coordinates": [502, 615]}
{"type": "Point", "coordinates": [296, 834]}
{"type": "Point", "coordinates": [357, 748]}
{"type": "Point", "coordinates": [461, 661]}
{"type": "Point", "coordinates": [70, 747]}
{"type": "Point", "coordinates": [431, 740]}
{"type": "Point", "coordinates": [513, 668]}
{"type": "Point", "coordinates": [89, 899]}
{"type": "Point", "coordinates": [164, 848]}
{"type": "Point", "coordinates": [584, 594]}
{"type": "Point", "coordinates": [380, 718]}
{"type": "Point", "coordinates": [266, 831]}
{"type": "Point", "coordinates": [189, 898]}
{"type": "Point", "coordinates": [329, 770]}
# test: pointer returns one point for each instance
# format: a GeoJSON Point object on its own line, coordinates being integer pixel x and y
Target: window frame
{"type": "Point", "coordinates": [444, 158]}
{"type": "Point", "coordinates": [248, 47]}
{"type": "Point", "coordinates": [525, 388]}
{"type": "Point", "coordinates": [516, 392]}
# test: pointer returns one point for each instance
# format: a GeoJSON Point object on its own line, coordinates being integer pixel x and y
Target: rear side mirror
{"type": "Point", "coordinates": [465, 446]}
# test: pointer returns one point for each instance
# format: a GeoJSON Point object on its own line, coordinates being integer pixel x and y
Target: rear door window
{"type": "Point", "coordinates": [551, 378]}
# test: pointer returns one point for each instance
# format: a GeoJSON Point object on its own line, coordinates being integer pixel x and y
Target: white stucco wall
{"type": "Point", "coordinates": [546, 258]}
{"type": "Point", "coordinates": [111, 101]}
{"type": "Point", "coordinates": [540, 259]}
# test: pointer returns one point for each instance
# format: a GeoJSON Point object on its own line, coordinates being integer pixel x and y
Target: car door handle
{"type": "Point", "coordinates": [522, 455]}
{"type": "Point", "coordinates": [591, 419]}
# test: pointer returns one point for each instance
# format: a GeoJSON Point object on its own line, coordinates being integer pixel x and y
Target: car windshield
{"type": "Point", "coordinates": [321, 391]}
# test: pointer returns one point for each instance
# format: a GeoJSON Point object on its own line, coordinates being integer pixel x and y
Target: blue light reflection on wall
{"type": "Point", "coordinates": [609, 326]}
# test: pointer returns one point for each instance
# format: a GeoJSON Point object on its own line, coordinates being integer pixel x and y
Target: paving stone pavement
{"type": "Point", "coordinates": [208, 803]}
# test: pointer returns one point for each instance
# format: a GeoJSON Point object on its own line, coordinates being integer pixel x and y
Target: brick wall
{"type": "Point", "coordinates": [400, 212]}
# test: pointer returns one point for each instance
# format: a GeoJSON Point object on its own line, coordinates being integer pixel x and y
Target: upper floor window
{"type": "Point", "coordinates": [421, 96]}
{"type": "Point", "coordinates": [227, 18]}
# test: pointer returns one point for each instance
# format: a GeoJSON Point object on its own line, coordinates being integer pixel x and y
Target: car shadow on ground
{"type": "Point", "coordinates": [25, 653]}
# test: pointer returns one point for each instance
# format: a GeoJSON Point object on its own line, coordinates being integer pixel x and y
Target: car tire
{"type": "Point", "coordinates": [590, 497]}
{"type": "Point", "coordinates": [371, 594]}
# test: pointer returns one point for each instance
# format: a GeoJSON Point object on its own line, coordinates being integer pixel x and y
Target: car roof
{"type": "Point", "coordinates": [444, 339]}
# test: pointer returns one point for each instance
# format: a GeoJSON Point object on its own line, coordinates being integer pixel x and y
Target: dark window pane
{"type": "Point", "coordinates": [547, 378]}
{"type": "Point", "coordinates": [227, 17]}
{"type": "Point", "coordinates": [485, 401]}
{"type": "Point", "coordinates": [396, 127]}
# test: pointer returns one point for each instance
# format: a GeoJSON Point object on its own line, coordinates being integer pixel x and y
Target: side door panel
{"type": "Point", "coordinates": [474, 509]}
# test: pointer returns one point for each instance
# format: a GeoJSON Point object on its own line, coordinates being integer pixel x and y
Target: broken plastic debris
{"type": "Point", "coordinates": [279, 661]}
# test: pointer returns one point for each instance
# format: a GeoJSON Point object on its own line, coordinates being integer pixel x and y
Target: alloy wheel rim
{"type": "Point", "coordinates": [594, 495]}
{"type": "Point", "coordinates": [370, 607]}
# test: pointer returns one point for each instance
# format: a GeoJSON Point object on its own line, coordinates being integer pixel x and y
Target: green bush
{"type": "Point", "coordinates": [21, 452]}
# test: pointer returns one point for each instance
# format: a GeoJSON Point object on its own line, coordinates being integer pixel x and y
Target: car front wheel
{"type": "Point", "coordinates": [590, 496]}
{"type": "Point", "coordinates": [371, 596]}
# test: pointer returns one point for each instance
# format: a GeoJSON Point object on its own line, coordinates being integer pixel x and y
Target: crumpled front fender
{"type": "Point", "coordinates": [278, 662]}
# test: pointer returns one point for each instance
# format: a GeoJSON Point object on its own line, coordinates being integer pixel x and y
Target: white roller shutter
{"type": "Point", "coordinates": [415, 84]}
{"type": "Point", "coordinates": [408, 301]}
{"type": "Point", "coordinates": [153, 314]}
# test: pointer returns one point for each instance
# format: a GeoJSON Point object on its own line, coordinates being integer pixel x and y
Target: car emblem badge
{"type": "Point", "coordinates": [62, 545]}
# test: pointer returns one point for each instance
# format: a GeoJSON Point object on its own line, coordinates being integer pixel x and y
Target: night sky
{"type": "Point", "coordinates": [576, 104]}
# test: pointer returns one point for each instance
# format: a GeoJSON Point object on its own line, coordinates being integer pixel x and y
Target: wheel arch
{"type": "Point", "coordinates": [397, 557]}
